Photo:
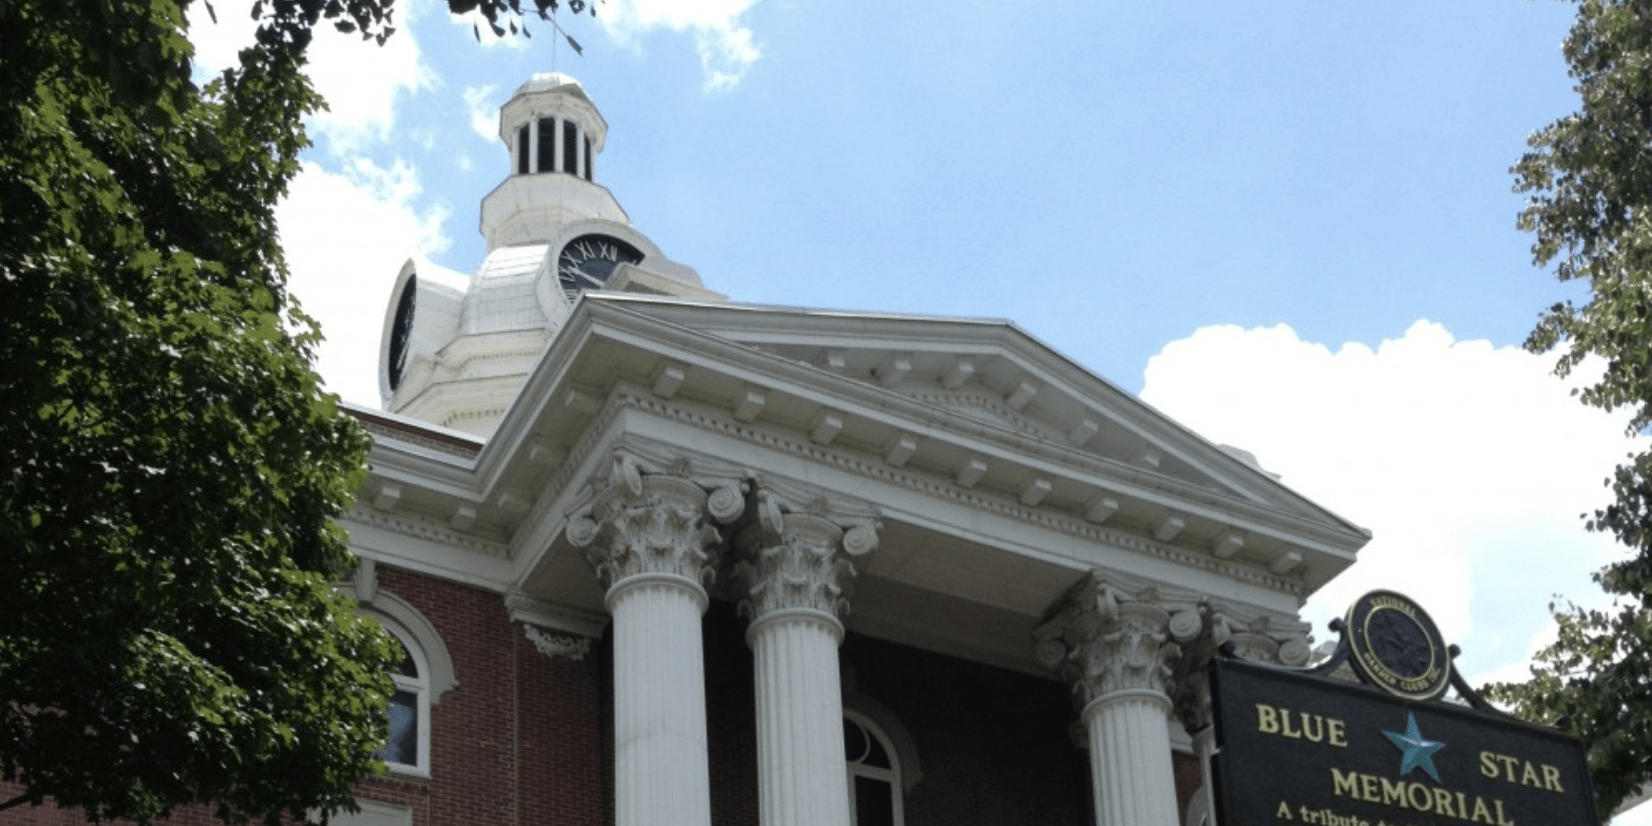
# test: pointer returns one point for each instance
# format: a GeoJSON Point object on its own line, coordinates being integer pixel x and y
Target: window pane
{"type": "Point", "coordinates": [570, 147]}
{"type": "Point", "coordinates": [854, 741]}
{"type": "Point", "coordinates": [587, 159]}
{"type": "Point", "coordinates": [522, 150]}
{"type": "Point", "coordinates": [406, 668]}
{"type": "Point", "coordinates": [547, 145]}
{"type": "Point", "coordinates": [875, 754]}
{"type": "Point", "coordinates": [403, 746]}
{"type": "Point", "coordinates": [874, 802]}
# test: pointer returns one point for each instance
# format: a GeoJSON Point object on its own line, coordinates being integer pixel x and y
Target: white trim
{"type": "Point", "coordinates": [374, 813]}
{"type": "Point", "coordinates": [892, 775]}
{"type": "Point", "coordinates": [424, 641]}
{"type": "Point", "coordinates": [420, 688]}
{"type": "Point", "coordinates": [862, 707]}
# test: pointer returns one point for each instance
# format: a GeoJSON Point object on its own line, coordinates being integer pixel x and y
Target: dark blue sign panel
{"type": "Point", "coordinates": [1309, 750]}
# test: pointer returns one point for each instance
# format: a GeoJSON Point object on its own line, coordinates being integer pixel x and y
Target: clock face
{"type": "Point", "coordinates": [400, 331]}
{"type": "Point", "coordinates": [586, 262]}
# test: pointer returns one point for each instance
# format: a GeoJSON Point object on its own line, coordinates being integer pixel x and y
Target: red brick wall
{"type": "Point", "coordinates": [1188, 779]}
{"type": "Point", "coordinates": [993, 744]}
{"type": "Point", "coordinates": [527, 739]}
{"type": "Point", "coordinates": [521, 740]}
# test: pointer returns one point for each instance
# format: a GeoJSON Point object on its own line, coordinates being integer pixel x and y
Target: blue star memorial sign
{"type": "Point", "coordinates": [1417, 752]}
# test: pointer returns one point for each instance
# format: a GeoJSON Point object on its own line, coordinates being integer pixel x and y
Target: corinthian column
{"type": "Point", "coordinates": [1118, 642]}
{"type": "Point", "coordinates": [795, 571]}
{"type": "Point", "coordinates": [650, 539]}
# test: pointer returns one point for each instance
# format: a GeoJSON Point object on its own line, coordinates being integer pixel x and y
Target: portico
{"type": "Point", "coordinates": [641, 451]}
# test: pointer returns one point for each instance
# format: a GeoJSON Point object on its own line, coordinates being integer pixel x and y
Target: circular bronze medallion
{"type": "Point", "coordinates": [1396, 647]}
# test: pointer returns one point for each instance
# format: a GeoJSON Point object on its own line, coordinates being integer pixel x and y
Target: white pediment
{"type": "Point", "coordinates": [991, 373]}
{"type": "Point", "coordinates": [1002, 470]}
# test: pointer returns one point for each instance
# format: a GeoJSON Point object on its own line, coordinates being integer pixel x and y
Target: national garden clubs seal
{"type": "Point", "coordinates": [1397, 648]}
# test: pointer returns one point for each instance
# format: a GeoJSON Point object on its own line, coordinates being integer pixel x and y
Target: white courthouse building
{"type": "Point", "coordinates": [661, 558]}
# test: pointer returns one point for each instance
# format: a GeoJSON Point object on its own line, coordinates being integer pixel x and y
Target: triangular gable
{"type": "Point", "coordinates": [993, 373]}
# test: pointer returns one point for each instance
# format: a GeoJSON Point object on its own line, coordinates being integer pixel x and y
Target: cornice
{"type": "Point", "coordinates": [1072, 526]}
{"type": "Point", "coordinates": [981, 407]}
{"type": "Point", "coordinates": [738, 332]}
{"type": "Point", "coordinates": [610, 318]}
{"type": "Point", "coordinates": [409, 436]}
{"type": "Point", "coordinates": [420, 528]}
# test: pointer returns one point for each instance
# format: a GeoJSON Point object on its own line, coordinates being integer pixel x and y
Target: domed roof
{"type": "Point", "coordinates": [548, 82]}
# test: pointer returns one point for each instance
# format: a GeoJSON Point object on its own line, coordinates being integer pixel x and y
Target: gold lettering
{"type": "Point", "coordinates": [1551, 779]}
{"type": "Point", "coordinates": [1502, 820]}
{"type": "Point", "coordinates": [1393, 793]}
{"type": "Point", "coordinates": [1267, 720]}
{"type": "Point", "coordinates": [1285, 728]}
{"type": "Point", "coordinates": [1442, 802]}
{"type": "Point", "coordinates": [1426, 804]}
{"type": "Point", "coordinates": [1300, 725]}
{"type": "Point", "coordinates": [1481, 813]}
{"type": "Point", "coordinates": [1345, 784]}
{"type": "Point", "coordinates": [1528, 776]}
{"type": "Point", "coordinates": [1337, 731]}
{"type": "Point", "coordinates": [1512, 769]}
{"type": "Point", "coordinates": [1313, 728]}
{"type": "Point", "coordinates": [1370, 786]}
{"type": "Point", "coordinates": [1397, 605]}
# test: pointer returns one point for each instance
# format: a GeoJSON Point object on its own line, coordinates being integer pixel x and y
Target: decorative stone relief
{"type": "Point", "coordinates": [1113, 634]}
{"type": "Point", "coordinates": [801, 552]}
{"type": "Point", "coordinates": [1257, 636]}
{"type": "Point", "coordinates": [643, 516]}
{"type": "Point", "coordinates": [1128, 651]}
{"type": "Point", "coordinates": [574, 648]}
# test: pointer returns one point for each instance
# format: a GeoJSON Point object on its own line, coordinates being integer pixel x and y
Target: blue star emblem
{"type": "Point", "coordinates": [1417, 752]}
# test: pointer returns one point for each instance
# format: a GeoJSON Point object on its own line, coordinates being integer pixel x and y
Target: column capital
{"type": "Point", "coordinates": [1111, 634]}
{"type": "Point", "coordinates": [800, 551]}
{"type": "Point", "coordinates": [643, 517]}
{"type": "Point", "coordinates": [1258, 636]}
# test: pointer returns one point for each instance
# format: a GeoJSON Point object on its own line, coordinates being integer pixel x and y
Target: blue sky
{"type": "Point", "coordinates": [1288, 225]}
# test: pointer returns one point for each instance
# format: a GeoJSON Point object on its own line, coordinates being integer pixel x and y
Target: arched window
{"type": "Point", "coordinates": [874, 774]}
{"type": "Point", "coordinates": [407, 751]}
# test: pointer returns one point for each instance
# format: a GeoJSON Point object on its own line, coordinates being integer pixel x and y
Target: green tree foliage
{"type": "Point", "coordinates": [1588, 177]}
{"type": "Point", "coordinates": [169, 464]}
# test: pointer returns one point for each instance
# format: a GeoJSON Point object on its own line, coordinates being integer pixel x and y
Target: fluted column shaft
{"type": "Point", "coordinates": [661, 775]}
{"type": "Point", "coordinates": [796, 571]}
{"type": "Point", "coordinates": [1130, 767]}
{"type": "Point", "coordinates": [800, 757]}
{"type": "Point", "coordinates": [649, 537]}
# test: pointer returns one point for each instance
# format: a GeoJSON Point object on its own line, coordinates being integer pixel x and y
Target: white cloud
{"type": "Point", "coordinates": [346, 234]}
{"type": "Point", "coordinates": [217, 42]}
{"type": "Point", "coordinates": [1470, 463]}
{"type": "Point", "coordinates": [484, 113]}
{"type": "Point", "coordinates": [362, 81]}
{"type": "Point", "coordinates": [359, 80]}
{"type": "Point", "coordinates": [725, 44]}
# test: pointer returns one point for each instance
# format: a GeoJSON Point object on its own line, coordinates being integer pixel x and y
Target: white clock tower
{"type": "Point", "coordinates": [455, 348]}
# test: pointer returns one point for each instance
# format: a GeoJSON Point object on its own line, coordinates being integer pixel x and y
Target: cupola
{"type": "Point", "coordinates": [456, 349]}
{"type": "Point", "coordinates": [554, 134]}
